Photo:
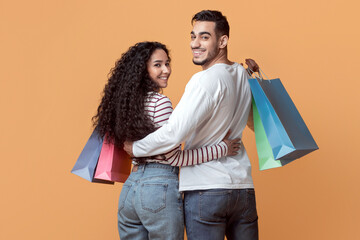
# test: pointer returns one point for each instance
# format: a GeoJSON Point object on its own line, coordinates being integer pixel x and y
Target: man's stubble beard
{"type": "Point", "coordinates": [200, 63]}
{"type": "Point", "coordinates": [212, 54]}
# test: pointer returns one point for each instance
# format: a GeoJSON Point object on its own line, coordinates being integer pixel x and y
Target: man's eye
{"type": "Point", "coordinates": [193, 37]}
{"type": "Point", "coordinates": [205, 37]}
{"type": "Point", "coordinates": [167, 64]}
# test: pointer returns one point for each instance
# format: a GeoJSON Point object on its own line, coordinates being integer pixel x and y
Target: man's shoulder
{"type": "Point", "coordinates": [220, 71]}
{"type": "Point", "coordinates": [216, 78]}
{"type": "Point", "coordinates": [223, 70]}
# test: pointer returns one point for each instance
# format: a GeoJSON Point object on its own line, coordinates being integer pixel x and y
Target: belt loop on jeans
{"type": "Point", "coordinates": [143, 168]}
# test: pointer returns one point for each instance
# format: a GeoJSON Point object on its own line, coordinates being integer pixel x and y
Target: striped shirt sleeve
{"type": "Point", "coordinates": [162, 110]}
{"type": "Point", "coordinates": [178, 157]}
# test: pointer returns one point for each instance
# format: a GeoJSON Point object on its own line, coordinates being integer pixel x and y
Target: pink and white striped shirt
{"type": "Point", "coordinates": [159, 109]}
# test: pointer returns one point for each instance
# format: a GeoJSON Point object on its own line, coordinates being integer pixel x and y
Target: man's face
{"type": "Point", "coordinates": [204, 43]}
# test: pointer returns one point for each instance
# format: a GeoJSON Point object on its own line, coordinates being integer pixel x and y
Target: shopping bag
{"type": "Point", "coordinates": [285, 129]}
{"type": "Point", "coordinates": [114, 163]}
{"type": "Point", "coordinates": [86, 163]}
{"type": "Point", "coordinates": [265, 154]}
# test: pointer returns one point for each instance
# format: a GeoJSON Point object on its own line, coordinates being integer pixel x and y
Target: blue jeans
{"type": "Point", "coordinates": [150, 204]}
{"type": "Point", "coordinates": [213, 214]}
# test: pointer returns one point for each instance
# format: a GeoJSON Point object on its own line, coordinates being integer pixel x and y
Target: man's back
{"type": "Point", "coordinates": [229, 98]}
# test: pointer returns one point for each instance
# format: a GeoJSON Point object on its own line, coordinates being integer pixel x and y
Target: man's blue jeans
{"type": "Point", "coordinates": [150, 205]}
{"type": "Point", "coordinates": [212, 214]}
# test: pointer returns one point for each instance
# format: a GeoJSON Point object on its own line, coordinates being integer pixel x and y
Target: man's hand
{"type": "Point", "coordinates": [128, 148]}
{"type": "Point", "coordinates": [253, 66]}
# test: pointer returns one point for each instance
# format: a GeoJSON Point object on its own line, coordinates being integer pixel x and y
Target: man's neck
{"type": "Point", "coordinates": [220, 58]}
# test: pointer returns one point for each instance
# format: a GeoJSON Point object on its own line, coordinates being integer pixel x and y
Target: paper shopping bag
{"type": "Point", "coordinates": [86, 163]}
{"type": "Point", "coordinates": [285, 129]}
{"type": "Point", "coordinates": [114, 163]}
{"type": "Point", "coordinates": [265, 154]}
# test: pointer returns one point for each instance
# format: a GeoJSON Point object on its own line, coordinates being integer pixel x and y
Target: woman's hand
{"type": "Point", "coordinates": [128, 148]}
{"type": "Point", "coordinates": [234, 145]}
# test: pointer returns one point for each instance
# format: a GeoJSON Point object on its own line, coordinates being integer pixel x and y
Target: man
{"type": "Point", "coordinates": [219, 196]}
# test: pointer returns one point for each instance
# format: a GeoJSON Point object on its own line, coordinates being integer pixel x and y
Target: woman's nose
{"type": "Point", "coordinates": [165, 69]}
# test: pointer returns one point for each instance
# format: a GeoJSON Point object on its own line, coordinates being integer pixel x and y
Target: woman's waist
{"type": "Point", "coordinates": [158, 159]}
{"type": "Point", "coordinates": [153, 169]}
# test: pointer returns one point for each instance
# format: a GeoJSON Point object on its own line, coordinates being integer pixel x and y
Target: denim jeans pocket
{"type": "Point", "coordinates": [213, 205]}
{"type": "Point", "coordinates": [250, 212]}
{"type": "Point", "coordinates": [153, 196]}
{"type": "Point", "coordinates": [123, 195]}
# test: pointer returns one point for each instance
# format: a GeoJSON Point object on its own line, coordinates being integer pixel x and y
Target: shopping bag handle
{"type": "Point", "coordinates": [259, 75]}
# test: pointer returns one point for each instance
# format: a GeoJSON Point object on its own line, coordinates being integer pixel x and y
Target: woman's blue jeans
{"type": "Point", "coordinates": [213, 214]}
{"type": "Point", "coordinates": [150, 205]}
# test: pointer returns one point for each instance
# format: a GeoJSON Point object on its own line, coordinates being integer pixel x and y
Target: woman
{"type": "Point", "coordinates": [150, 205]}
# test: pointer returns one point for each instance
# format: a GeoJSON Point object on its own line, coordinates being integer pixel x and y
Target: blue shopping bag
{"type": "Point", "coordinates": [285, 129]}
{"type": "Point", "coordinates": [265, 154]}
{"type": "Point", "coordinates": [85, 165]}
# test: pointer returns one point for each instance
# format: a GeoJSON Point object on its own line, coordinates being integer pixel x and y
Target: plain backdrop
{"type": "Point", "coordinates": [54, 61]}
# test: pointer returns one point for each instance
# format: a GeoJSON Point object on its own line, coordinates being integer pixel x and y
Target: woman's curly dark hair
{"type": "Point", "coordinates": [121, 114]}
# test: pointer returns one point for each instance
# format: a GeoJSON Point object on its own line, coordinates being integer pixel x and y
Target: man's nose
{"type": "Point", "coordinates": [195, 43]}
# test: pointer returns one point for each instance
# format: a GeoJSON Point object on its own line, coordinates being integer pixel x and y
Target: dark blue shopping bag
{"type": "Point", "coordinates": [285, 129]}
{"type": "Point", "coordinates": [85, 165]}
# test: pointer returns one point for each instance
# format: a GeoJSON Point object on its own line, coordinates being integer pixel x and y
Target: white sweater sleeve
{"type": "Point", "coordinates": [160, 112]}
{"type": "Point", "coordinates": [194, 107]}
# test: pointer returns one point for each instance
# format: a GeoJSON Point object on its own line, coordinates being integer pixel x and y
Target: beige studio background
{"type": "Point", "coordinates": [55, 56]}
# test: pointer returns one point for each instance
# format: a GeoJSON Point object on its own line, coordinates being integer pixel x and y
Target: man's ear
{"type": "Point", "coordinates": [223, 41]}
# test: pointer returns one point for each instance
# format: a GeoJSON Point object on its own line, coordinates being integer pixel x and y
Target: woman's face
{"type": "Point", "coordinates": [159, 68]}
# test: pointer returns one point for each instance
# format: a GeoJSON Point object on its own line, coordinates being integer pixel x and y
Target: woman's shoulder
{"type": "Point", "coordinates": [157, 97]}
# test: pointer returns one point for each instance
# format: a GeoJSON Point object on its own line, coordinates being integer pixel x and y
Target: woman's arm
{"type": "Point", "coordinates": [178, 157]}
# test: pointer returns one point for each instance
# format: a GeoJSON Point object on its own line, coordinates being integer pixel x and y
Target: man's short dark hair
{"type": "Point", "coordinates": [221, 23]}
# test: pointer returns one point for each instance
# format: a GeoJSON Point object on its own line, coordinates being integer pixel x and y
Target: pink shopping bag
{"type": "Point", "coordinates": [114, 164]}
